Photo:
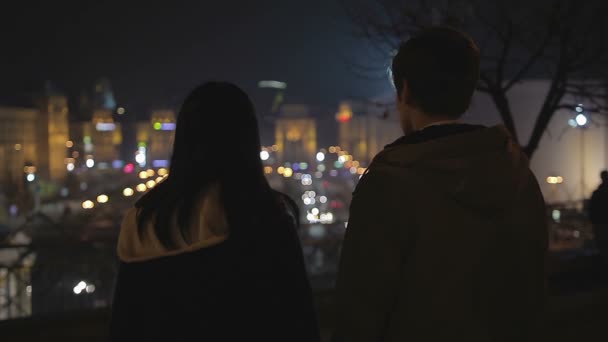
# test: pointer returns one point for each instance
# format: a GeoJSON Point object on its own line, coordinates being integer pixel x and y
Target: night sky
{"type": "Point", "coordinates": [153, 54]}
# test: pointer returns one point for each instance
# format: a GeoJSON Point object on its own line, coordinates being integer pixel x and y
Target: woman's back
{"type": "Point", "coordinates": [254, 288]}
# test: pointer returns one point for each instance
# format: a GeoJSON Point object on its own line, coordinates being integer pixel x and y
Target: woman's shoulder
{"type": "Point", "coordinates": [288, 206]}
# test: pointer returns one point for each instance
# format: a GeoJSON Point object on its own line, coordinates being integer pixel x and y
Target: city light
{"type": "Point", "coordinates": [143, 175]}
{"type": "Point", "coordinates": [69, 144]}
{"type": "Point", "coordinates": [268, 170]}
{"type": "Point", "coordinates": [323, 199]}
{"type": "Point", "coordinates": [581, 120]}
{"type": "Point", "coordinates": [555, 180]}
{"type": "Point", "coordinates": [327, 218]}
{"type": "Point", "coordinates": [168, 126]}
{"type": "Point", "coordinates": [90, 288]}
{"type": "Point", "coordinates": [162, 171]}
{"type": "Point", "coordinates": [30, 177]}
{"type": "Point", "coordinates": [556, 215]}
{"type": "Point", "coordinates": [332, 149]}
{"type": "Point", "coordinates": [579, 108]}
{"type": "Point", "coordinates": [120, 110]}
{"type": "Point", "coordinates": [129, 168]}
{"type": "Point", "coordinates": [315, 211]}
{"type": "Point", "coordinates": [141, 187]}
{"type": "Point", "coordinates": [88, 204]}
{"type": "Point", "coordinates": [361, 170]}
{"type": "Point", "coordinates": [90, 163]}
{"type": "Point", "coordinates": [17, 147]}
{"type": "Point", "coordinates": [281, 170]}
{"type": "Point", "coordinates": [105, 126]}
{"type": "Point", "coordinates": [345, 114]}
{"type": "Point", "coordinates": [353, 170]}
{"type": "Point", "coordinates": [306, 179]}
{"type": "Point", "coordinates": [81, 286]}
{"type": "Point", "coordinates": [150, 172]}
{"type": "Point", "coordinates": [150, 184]}
{"type": "Point", "coordinates": [103, 199]}
{"type": "Point", "coordinates": [117, 164]}
{"type": "Point", "coordinates": [264, 155]}
{"type": "Point", "coordinates": [128, 192]}
{"type": "Point", "coordinates": [159, 179]}
{"type": "Point", "coordinates": [140, 156]}
{"type": "Point", "coordinates": [70, 167]}
{"type": "Point", "coordinates": [157, 126]}
{"type": "Point", "coordinates": [288, 172]}
{"type": "Point", "coordinates": [342, 159]}
{"type": "Point", "coordinates": [140, 159]}
{"type": "Point", "coordinates": [272, 84]}
{"type": "Point", "coordinates": [160, 163]}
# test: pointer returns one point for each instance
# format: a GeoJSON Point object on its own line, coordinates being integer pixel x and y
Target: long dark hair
{"type": "Point", "coordinates": [216, 142]}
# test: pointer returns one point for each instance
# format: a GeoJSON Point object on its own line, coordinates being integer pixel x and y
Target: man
{"type": "Point", "coordinates": [447, 231]}
{"type": "Point", "coordinates": [598, 212]}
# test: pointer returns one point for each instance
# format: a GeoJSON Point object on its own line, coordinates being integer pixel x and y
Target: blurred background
{"type": "Point", "coordinates": [89, 95]}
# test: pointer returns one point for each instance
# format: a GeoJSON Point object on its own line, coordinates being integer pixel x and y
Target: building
{"type": "Point", "coordinates": [295, 134]}
{"type": "Point", "coordinates": [53, 137]}
{"type": "Point", "coordinates": [96, 142]}
{"type": "Point", "coordinates": [35, 137]}
{"type": "Point", "coordinates": [18, 143]}
{"type": "Point", "coordinates": [365, 128]}
{"type": "Point", "coordinates": [97, 136]}
{"type": "Point", "coordinates": [155, 139]}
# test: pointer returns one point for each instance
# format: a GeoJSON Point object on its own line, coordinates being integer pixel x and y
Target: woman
{"type": "Point", "coordinates": [211, 253]}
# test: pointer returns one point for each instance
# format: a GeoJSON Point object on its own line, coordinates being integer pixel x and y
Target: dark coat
{"type": "Point", "coordinates": [229, 290]}
{"type": "Point", "coordinates": [598, 206]}
{"type": "Point", "coordinates": [446, 241]}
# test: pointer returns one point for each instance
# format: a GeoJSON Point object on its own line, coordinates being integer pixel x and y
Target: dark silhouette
{"type": "Point", "coordinates": [447, 232]}
{"type": "Point", "coordinates": [212, 251]}
{"type": "Point", "coordinates": [598, 212]}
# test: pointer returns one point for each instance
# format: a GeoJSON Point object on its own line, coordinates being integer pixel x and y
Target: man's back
{"type": "Point", "coordinates": [446, 241]}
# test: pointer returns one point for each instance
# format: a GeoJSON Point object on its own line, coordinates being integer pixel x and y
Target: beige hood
{"type": "Point", "coordinates": [208, 228]}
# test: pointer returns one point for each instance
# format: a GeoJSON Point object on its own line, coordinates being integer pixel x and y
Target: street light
{"type": "Point", "coordinates": [320, 156]}
{"type": "Point", "coordinates": [581, 120]}
{"type": "Point", "coordinates": [264, 155]}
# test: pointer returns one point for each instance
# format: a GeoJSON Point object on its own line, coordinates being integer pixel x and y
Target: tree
{"type": "Point", "coordinates": [564, 41]}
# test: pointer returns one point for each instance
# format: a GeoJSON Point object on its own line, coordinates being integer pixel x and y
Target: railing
{"type": "Point", "coordinates": [62, 276]}
{"type": "Point", "coordinates": [61, 273]}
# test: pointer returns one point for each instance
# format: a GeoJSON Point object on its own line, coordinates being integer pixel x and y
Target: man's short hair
{"type": "Point", "coordinates": [441, 68]}
{"type": "Point", "coordinates": [604, 175]}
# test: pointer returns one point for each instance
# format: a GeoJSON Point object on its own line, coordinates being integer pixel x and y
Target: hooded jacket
{"type": "Point", "coordinates": [217, 288]}
{"type": "Point", "coordinates": [446, 242]}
